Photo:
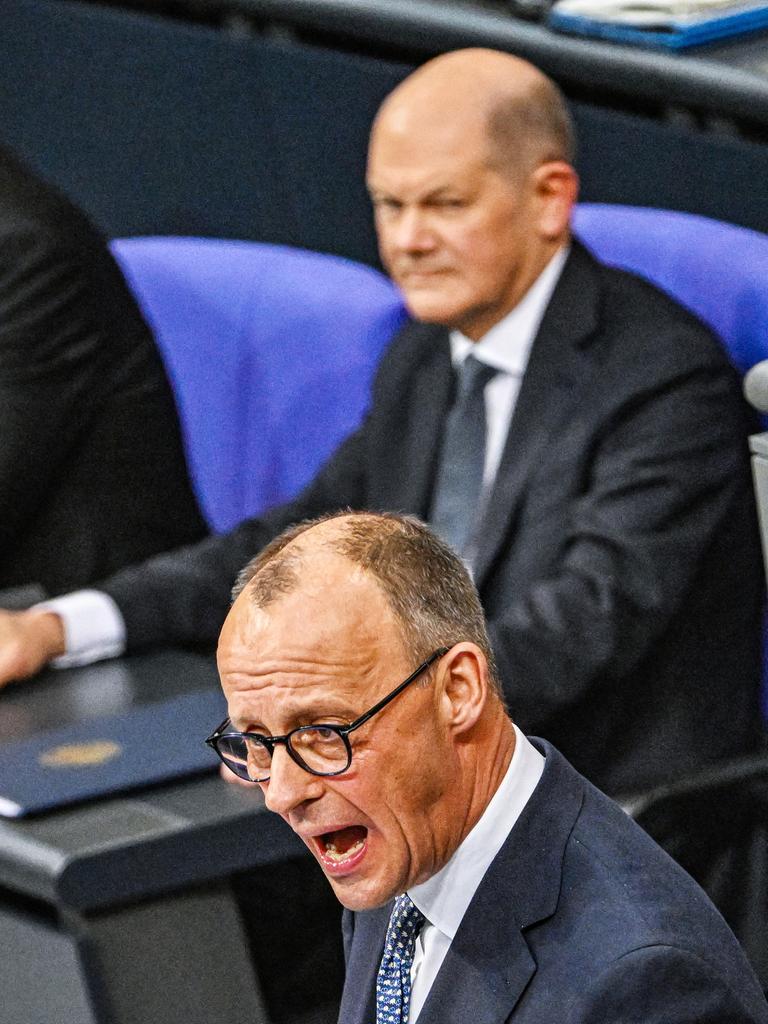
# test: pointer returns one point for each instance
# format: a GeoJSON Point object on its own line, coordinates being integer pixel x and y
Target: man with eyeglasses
{"type": "Point", "coordinates": [484, 879]}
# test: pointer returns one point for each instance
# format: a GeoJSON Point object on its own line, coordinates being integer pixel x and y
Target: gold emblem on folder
{"type": "Point", "coordinates": [79, 755]}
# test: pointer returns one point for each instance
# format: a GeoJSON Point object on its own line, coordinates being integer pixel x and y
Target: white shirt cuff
{"type": "Point", "coordinates": [93, 627]}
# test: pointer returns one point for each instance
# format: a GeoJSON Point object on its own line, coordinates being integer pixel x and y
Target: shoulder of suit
{"type": "Point", "coordinates": [413, 347]}
{"type": "Point", "coordinates": [35, 210]}
{"type": "Point", "coordinates": [415, 334]}
{"type": "Point", "coordinates": [634, 307]}
{"type": "Point", "coordinates": [626, 286]}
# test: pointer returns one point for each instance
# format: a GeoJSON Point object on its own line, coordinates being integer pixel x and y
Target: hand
{"type": "Point", "coordinates": [28, 641]}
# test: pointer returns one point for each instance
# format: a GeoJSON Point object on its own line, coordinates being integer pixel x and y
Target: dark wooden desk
{"type": "Point", "coordinates": [119, 911]}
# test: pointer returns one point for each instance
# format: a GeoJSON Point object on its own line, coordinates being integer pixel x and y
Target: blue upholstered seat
{"type": "Point", "coordinates": [719, 271]}
{"type": "Point", "coordinates": [271, 352]}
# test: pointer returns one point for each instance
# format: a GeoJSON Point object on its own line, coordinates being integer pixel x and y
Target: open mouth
{"type": "Point", "coordinates": [342, 846]}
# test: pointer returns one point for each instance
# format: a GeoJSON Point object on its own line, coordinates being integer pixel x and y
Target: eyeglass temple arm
{"type": "Point", "coordinates": [399, 689]}
{"type": "Point", "coordinates": [368, 714]}
{"type": "Point", "coordinates": [214, 735]}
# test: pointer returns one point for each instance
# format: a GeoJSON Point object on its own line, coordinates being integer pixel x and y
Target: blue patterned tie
{"type": "Point", "coordinates": [393, 982]}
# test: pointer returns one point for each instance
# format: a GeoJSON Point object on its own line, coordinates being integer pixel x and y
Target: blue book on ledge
{"type": "Point", "coordinates": [147, 744]}
{"type": "Point", "coordinates": [648, 25]}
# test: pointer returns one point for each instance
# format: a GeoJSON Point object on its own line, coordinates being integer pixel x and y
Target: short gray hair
{"type": "Point", "coordinates": [531, 129]}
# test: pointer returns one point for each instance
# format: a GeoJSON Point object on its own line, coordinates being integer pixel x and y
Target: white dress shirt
{"type": "Point", "coordinates": [444, 898]}
{"type": "Point", "coordinates": [93, 626]}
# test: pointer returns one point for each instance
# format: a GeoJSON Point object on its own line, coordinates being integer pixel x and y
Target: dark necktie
{"type": "Point", "coordinates": [393, 982]}
{"type": "Point", "coordinates": [460, 474]}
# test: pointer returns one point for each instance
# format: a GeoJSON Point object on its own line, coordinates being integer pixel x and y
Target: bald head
{"type": "Point", "coordinates": [424, 583]}
{"type": "Point", "coordinates": [472, 187]}
{"type": "Point", "coordinates": [517, 112]}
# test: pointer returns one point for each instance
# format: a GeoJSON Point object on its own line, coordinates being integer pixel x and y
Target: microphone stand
{"type": "Point", "coordinates": [758, 445]}
{"type": "Point", "coordinates": [756, 393]}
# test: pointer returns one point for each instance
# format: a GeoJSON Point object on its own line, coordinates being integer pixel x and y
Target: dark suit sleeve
{"type": "Point", "coordinates": [183, 596]}
{"type": "Point", "coordinates": [48, 342]}
{"type": "Point", "coordinates": [666, 985]}
{"type": "Point", "coordinates": [663, 480]}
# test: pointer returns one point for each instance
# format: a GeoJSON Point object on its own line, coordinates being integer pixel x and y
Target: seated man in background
{"type": "Point", "coordinates": [520, 891]}
{"type": "Point", "coordinates": [573, 432]}
{"type": "Point", "coordinates": [92, 471]}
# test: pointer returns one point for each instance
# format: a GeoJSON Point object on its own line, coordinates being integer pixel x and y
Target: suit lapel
{"type": "Point", "coordinates": [485, 972]}
{"type": "Point", "coordinates": [418, 430]}
{"type": "Point", "coordinates": [358, 1002]}
{"type": "Point", "coordinates": [553, 384]}
{"type": "Point", "coordinates": [489, 964]}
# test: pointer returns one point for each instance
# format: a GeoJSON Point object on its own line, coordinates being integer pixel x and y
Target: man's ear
{"type": "Point", "coordinates": [464, 687]}
{"type": "Point", "coordinates": [556, 187]}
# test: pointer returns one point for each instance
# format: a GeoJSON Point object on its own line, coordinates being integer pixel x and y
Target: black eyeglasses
{"type": "Point", "coordinates": [319, 749]}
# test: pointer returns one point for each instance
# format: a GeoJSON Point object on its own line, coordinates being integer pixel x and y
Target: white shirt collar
{"type": "Point", "coordinates": [507, 345]}
{"type": "Point", "coordinates": [444, 898]}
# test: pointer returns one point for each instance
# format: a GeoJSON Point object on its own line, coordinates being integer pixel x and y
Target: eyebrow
{"type": "Point", "coordinates": [436, 193]}
{"type": "Point", "coordinates": [310, 715]}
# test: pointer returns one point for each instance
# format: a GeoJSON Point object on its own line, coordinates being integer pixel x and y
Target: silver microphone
{"type": "Point", "coordinates": [756, 386]}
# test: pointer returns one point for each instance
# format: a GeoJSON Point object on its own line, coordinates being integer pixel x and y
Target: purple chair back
{"type": "Point", "coordinates": [270, 351]}
{"type": "Point", "coordinates": [719, 271]}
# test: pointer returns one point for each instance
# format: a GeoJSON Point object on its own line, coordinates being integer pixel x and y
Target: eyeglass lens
{"type": "Point", "coordinates": [320, 750]}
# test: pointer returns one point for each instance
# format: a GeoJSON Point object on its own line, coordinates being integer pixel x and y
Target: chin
{"type": "Point", "coordinates": [358, 897]}
{"type": "Point", "coordinates": [432, 310]}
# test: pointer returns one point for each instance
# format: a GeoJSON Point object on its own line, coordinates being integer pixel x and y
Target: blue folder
{"type": "Point", "coordinates": [676, 36]}
{"type": "Point", "coordinates": [147, 744]}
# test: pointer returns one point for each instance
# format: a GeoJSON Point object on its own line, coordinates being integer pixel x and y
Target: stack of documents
{"type": "Point", "coordinates": [672, 24]}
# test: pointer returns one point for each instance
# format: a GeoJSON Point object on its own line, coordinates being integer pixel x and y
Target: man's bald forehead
{"type": "Point", "coordinates": [466, 78]}
{"type": "Point", "coordinates": [299, 553]}
{"type": "Point", "coordinates": [514, 106]}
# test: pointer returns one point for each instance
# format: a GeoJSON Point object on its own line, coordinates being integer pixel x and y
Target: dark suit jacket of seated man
{"type": "Point", "coordinates": [617, 553]}
{"type": "Point", "coordinates": [92, 470]}
{"type": "Point", "coordinates": [521, 892]}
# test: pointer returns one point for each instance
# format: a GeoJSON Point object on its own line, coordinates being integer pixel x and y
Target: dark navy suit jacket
{"type": "Point", "coordinates": [580, 919]}
{"type": "Point", "coordinates": [92, 469]}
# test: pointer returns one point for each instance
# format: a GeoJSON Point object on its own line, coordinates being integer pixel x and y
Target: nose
{"type": "Point", "coordinates": [411, 231]}
{"type": "Point", "coordinates": [289, 786]}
